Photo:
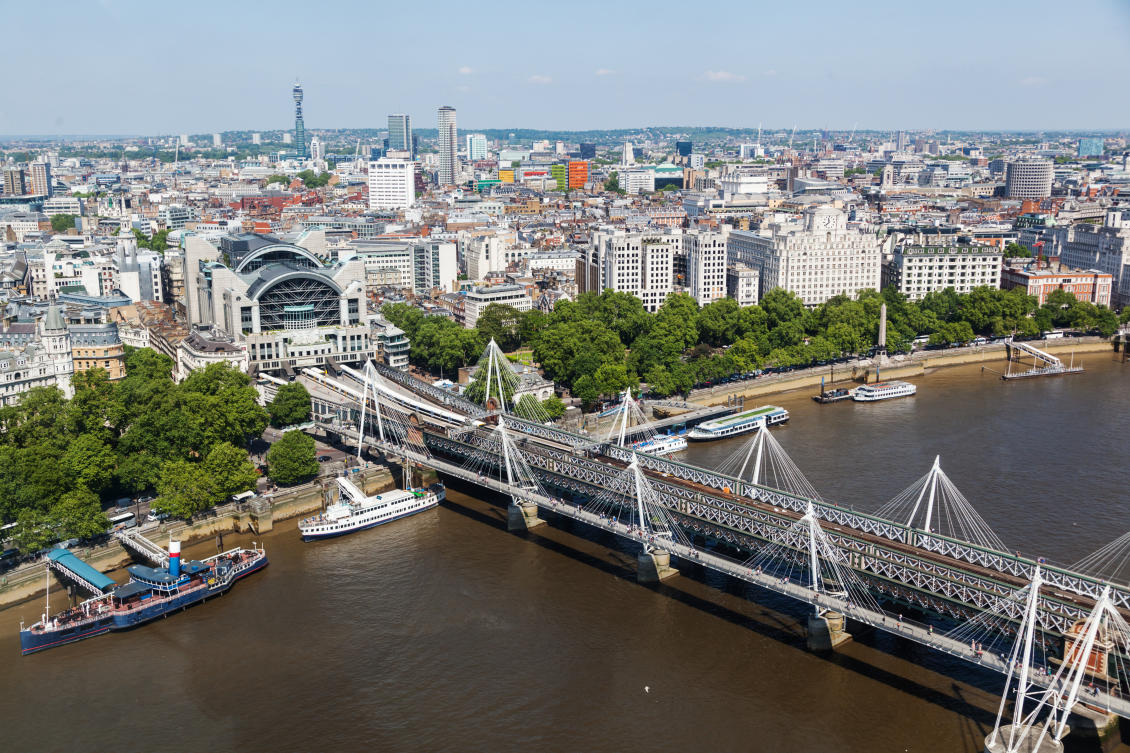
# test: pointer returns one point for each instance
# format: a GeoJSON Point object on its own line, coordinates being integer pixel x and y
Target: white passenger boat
{"type": "Point", "coordinates": [740, 423]}
{"type": "Point", "coordinates": [870, 393]}
{"type": "Point", "coordinates": [662, 444]}
{"type": "Point", "coordinates": [354, 511]}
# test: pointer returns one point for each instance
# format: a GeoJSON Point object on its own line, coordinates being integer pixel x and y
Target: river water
{"type": "Point", "coordinates": [443, 632]}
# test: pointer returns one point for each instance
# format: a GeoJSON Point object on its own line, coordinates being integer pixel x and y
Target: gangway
{"type": "Point", "coordinates": [81, 573]}
{"type": "Point", "coordinates": [1051, 364]}
{"type": "Point", "coordinates": [143, 547]}
{"type": "Point", "coordinates": [1036, 353]}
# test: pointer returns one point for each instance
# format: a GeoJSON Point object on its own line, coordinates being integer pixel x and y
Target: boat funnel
{"type": "Point", "coordinates": [174, 558]}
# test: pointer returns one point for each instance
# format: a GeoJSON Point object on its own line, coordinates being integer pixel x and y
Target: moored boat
{"type": "Point", "coordinates": [870, 393]}
{"type": "Point", "coordinates": [740, 423]}
{"type": "Point", "coordinates": [355, 511]}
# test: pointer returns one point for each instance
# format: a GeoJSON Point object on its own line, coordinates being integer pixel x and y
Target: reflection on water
{"type": "Point", "coordinates": [442, 632]}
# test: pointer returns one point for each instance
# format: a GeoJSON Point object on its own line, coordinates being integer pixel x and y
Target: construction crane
{"type": "Point", "coordinates": [852, 136]}
{"type": "Point", "coordinates": [791, 138]}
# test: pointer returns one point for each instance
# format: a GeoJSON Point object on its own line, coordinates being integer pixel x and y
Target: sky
{"type": "Point", "coordinates": [145, 68]}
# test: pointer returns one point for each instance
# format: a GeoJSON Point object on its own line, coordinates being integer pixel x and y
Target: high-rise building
{"type": "Point", "coordinates": [15, 182]}
{"type": "Point", "coordinates": [184, 139]}
{"type": "Point", "coordinates": [217, 140]}
{"type": "Point", "coordinates": [315, 149]}
{"type": "Point", "coordinates": [41, 178]}
{"type": "Point", "coordinates": [448, 167]}
{"type": "Point", "coordinates": [1028, 179]}
{"type": "Point", "coordinates": [476, 146]}
{"type": "Point", "coordinates": [629, 154]}
{"type": "Point", "coordinates": [588, 151]}
{"type": "Point", "coordinates": [256, 138]}
{"type": "Point", "coordinates": [684, 148]}
{"type": "Point", "coordinates": [392, 183]}
{"type": "Point", "coordinates": [299, 124]}
{"type": "Point", "coordinates": [916, 271]}
{"type": "Point", "coordinates": [400, 133]}
{"type": "Point", "coordinates": [1091, 147]}
{"type": "Point", "coordinates": [902, 142]}
{"type": "Point", "coordinates": [578, 173]}
{"type": "Point", "coordinates": [706, 265]}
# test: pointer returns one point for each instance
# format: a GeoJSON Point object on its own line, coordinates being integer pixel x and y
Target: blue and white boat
{"type": "Point", "coordinates": [354, 511]}
{"type": "Point", "coordinates": [149, 594]}
{"type": "Point", "coordinates": [740, 423]}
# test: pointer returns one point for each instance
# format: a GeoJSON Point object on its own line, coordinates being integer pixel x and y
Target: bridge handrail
{"type": "Point", "coordinates": [418, 385]}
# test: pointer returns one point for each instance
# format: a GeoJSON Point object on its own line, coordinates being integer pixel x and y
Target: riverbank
{"type": "Point", "coordinates": [916, 365]}
{"type": "Point", "coordinates": [256, 518]}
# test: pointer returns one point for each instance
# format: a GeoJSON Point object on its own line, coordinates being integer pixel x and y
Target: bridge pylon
{"type": "Point", "coordinates": [522, 512]}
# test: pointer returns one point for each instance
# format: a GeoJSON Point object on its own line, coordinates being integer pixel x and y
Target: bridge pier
{"type": "Point", "coordinates": [654, 566]}
{"type": "Point", "coordinates": [826, 631]}
{"type": "Point", "coordinates": [262, 515]}
{"type": "Point", "coordinates": [522, 517]}
{"type": "Point", "coordinates": [1093, 724]}
{"type": "Point", "coordinates": [1027, 743]}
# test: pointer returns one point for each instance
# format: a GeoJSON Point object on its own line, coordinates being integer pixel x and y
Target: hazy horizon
{"type": "Point", "coordinates": [124, 67]}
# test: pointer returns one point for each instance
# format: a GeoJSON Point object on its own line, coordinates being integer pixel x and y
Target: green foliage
{"type": "Point", "coordinates": [229, 471]}
{"type": "Point", "coordinates": [613, 184]}
{"type": "Point", "coordinates": [553, 407]}
{"type": "Point", "coordinates": [78, 515]}
{"type": "Point", "coordinates": [159, 241]}
{"type": "Point", "coordinates": [441, 344]}
{"type": "Point", "coordinates": [291, 405]}
{"type": "Point", "coordinates": [278, 179]}
{"type": "Point", "coordinates": [291, 459]}
{"type": "Point", "coordinates": [183, 489]}
{"type": "Point", "coordinates": [62, 222]}
{"type": "Point", "coordinates": [311, 180]}
{"type": "Point", "coordinates": [404, 316]}
{"type": "Point", "coordinates": [501, 323]}
{"type": "Point", "coordinates": [1016, 250]}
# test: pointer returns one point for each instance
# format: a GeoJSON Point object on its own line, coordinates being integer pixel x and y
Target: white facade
{"type": "Point", "coordinates": [392, 183]}
{"type": "Point", "coordinates": [418, 264]}
{"type": "Point", "coordinates": [637, 180]}
{"type": "Point", "coordinates": [476, 146]}
{"type": "Point", "coordinates": [706, 265]}
{"type": "Point", "coordinates": [1105, 248]}
{"type": "Point", "coordinates": [1028, 179]}
{"type": "Point", "coordinates": [478, 299]}
{"type": "Point", "coordinates": [744, 183]}
{"type": "Point", "coordinates": [448, 167]}
{"type": "Point", "coordinates": [636, 263]}
{"type": "Point", "coordinates": [918, 270]}
{"type": "Point", "coordinates": [741, 284]}
{"type": "Point", "coordinates": [817, 260]}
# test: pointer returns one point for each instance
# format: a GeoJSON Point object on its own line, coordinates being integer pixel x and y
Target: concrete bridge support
{"type": "Point", "coordinates": [262, 515]}
{"type": "Point", "coordinates": [1027, 744]}
{"type": "Point", "coordinates": [654, 566]}
{"type": "Point", "coordinates": [522, 517]}
{"type": "Point", "coordinates": [1093, 724]}
{"type": "Point", "coordinates": [826, 631]}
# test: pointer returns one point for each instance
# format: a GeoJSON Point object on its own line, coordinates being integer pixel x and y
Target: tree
{"type": "Point", "coordinates": [291, 405]}
{"type": "Point", "coordinates": [90, 462]}
{"type": "Point", "coordinates": [278, 179]}
{"type": "Point", "coordinates": [553, 407]}
{"type": "Point", "coordinates": [502, 324]}
{"type": "Point", "coordinates": [78, 515]}
{"type": "Point", "coordinates": [719, 322]}
{"type": "Point", "coordinates": [183, 489]}
{"type": "Point", "coordinates": [311, 180]}
{"type": "Point", "coordinates": [291, 459]}
{"type": "Point", "coordinates": [62, 222]}
{"type": "Point", "coordinates": [230, 471]}
{"type": "Point", "coordinates": [613, 184]}
{"type": "Point", "coordinates": [1016, 250]}
{"type": "Point", "coordinates": [33, 531]}
{"type": "Point", "coordinates": [404, 316]}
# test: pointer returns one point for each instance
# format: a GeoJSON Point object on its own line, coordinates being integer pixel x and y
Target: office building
{"type": "Point", "coordinates": [1104, 248]}
{"type": "Point", "coordinates": [299, 123]}
{"type": "Point", "coordinates": [642, 264]}
{"type": "Point", "coordinates": [256, 138]}
{"type": "Point", "coordinates": [1091, 147]}
{"type": "Point", "coordinates": [1040, 278]}
{"type": "Point", "coordinates": [578, 174]}
{"type": "Point", "coordinates": [44, 360]}
{"type": "Point", "coordinates": [684, 148]}
{"type": "Point", "coordinates": [98, 346]}
{"type": "Point", "coordinates": [285, 304]}
{"type": "Point", "coordinates": [447, 137]}
{"type": "Point", "coordinates": [741, 284]}
{"type": "Point", "coordinates": [635, 180]}
{"type": "Point", "coordinates": [476, 146]}
{"type": "Point", "coordinates": [41, 178]}
{"type": "Point", "coordinates": [400, 133]}
{"type": "Point", "coordinates": [392, 183]}
{"type": "Point", "coordinates": [918, 270]}
{"type": "Point", "coordinates": [315, 149]}
{"type": "Point", "coordinates": [696, 161]}
{"type": "Point", "coordinates": [184, 140]}
{"type": "Point", "coordinates": [706, 265]}
{"type": "Point", "coordinates": [476, 301]}
{"type": "Point", "coordinates": [217, 141]}
{"type": "Point", "coordinates": [817, 258]}
{"type": "Point", "coordinates": [418, 264]}
{"type": "Point", "coordinates": [588, 151]}
{"type": "Point", "coordinates": [1029, 178]}
{"type": "Point", "coordinates": [15, 182]}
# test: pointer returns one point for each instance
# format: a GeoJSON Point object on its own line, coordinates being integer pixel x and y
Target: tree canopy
{"type": "Point", "coordinates": [291, 405]}
{"type": "Point", "coordinates": [292, 459]}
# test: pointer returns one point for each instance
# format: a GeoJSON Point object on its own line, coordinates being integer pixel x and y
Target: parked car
{"type": "Point", "coordinates": [324, 458]}
{"type": "Point", "coordinates": [154, 517]}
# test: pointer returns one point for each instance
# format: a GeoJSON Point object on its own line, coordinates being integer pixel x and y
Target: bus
{"type": "Point", "coordinates": [121, 521]}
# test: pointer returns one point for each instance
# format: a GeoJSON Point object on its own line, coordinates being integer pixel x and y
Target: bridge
{"type": "Point", "coordinates": [979, 602]}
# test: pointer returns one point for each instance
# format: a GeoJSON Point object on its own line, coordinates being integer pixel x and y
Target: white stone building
{"type": "Point", "coordinates": [392, 183]}
{"type": "Point", "coordinates": [918, 270]}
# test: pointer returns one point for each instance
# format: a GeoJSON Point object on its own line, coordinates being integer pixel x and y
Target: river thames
{"type": "Point", "coordinates": [443, 632]}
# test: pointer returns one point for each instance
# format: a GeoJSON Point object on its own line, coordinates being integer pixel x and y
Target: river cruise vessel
{"type": "Point", "coordinates": [354, 511]}
{"type": "Point", "coordinates": [662, 444]}
{"type": "Point", "coordinates": [151, 592]}
{"type": "Point", "coordinates": [870, 393]}
{"type": "Point", "coordinates": [740, 423]}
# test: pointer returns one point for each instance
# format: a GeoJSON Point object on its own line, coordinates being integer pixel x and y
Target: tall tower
{"type": "Point", "coordinates": [57, 342]}
{"type": "Point", "coordinates": [400, 132]}
{"type": "Point", "coordinates": [299, 125]}
{"type": "Point", "coordinates": [447, 146]}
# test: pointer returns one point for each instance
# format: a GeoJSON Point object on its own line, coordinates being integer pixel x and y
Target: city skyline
{"type": "Point", "coordinates": [888, 67]}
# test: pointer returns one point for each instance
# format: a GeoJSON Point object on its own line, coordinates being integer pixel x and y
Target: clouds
{"type": "Point", "coordinates": [723, 77]}
{"type": "Point", "coordinates": [539, 79]}
{"type": "Point", "coordinates": [1032, 81]}
{"type": "Point", "coordinates": [604, 72]}
{"type": "Point", "coordinates": [465, 70]}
